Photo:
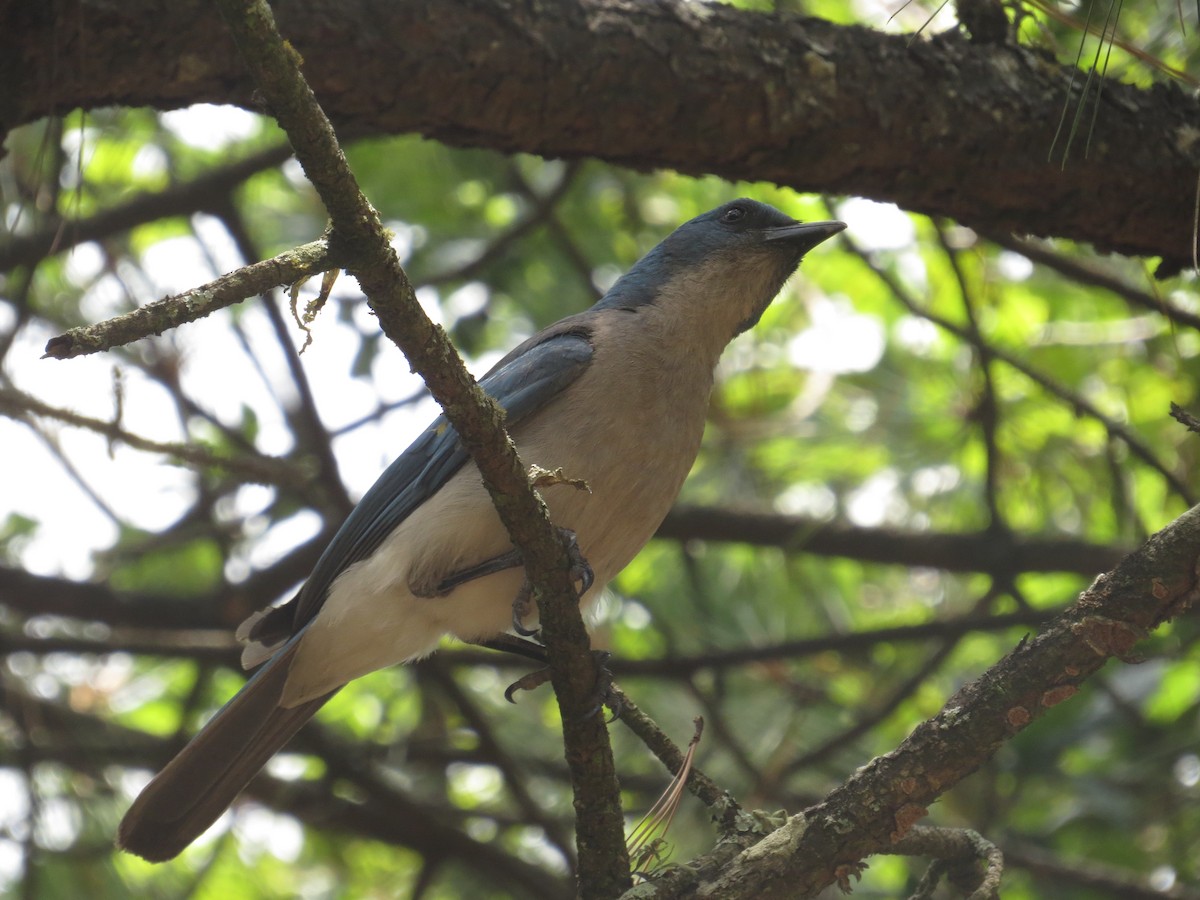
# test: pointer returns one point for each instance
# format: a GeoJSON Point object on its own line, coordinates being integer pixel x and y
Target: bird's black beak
{"type": "Point", "coordinates": [804, 235]}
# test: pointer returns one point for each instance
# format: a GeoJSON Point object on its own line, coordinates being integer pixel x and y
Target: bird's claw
{"type": "Point", "coordinates": [520, 609]}
{"type": "Point", "coordinates": [580, 572]}
{"type": "Point", "coordinates": [602, 696]}
{"type": "Point", "coordinates": [534, 679]}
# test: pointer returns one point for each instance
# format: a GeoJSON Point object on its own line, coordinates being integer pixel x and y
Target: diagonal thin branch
{"type": "Point", "coordinates": [1136, 445]}
{"type": "Point", "coordinates": [361, 243]}
{"type": "Point", "coordinates": [1089, 273]}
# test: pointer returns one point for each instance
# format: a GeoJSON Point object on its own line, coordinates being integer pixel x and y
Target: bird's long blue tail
{"type": "Point", "coordinates": [202, 780]}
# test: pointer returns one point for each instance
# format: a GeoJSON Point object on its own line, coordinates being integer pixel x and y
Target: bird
{"type": "Point", "coordinates": [615, 396]}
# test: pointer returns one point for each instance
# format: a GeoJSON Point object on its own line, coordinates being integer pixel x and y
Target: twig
{"type": "Point", "coordinates": [170, 312]}
{"type": "Point", "coordinates": [1103, 33]}
{"type": "Point", "coordinates": [1185, 418]}
{"type": "Point", "coordinates": [987, 408]}
{"type": "Point", "coordinates": [542, 209]}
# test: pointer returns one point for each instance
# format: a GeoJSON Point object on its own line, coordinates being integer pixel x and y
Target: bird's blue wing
{"type": "Point", "coordinates": [522, 382]}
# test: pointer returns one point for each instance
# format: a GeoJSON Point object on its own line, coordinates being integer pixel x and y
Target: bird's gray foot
{"type": "Point", "coordinates": [521, 607]}
{"type": "Point", "coordinates": [581, 573]}
{"type": "Point", "coordinates": [534, 679]}
{"type": "Point", "coordinates": [602, 696]}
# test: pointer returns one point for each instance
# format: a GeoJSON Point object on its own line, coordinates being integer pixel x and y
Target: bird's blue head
{"type": "Point", "coordinates": [738, 254]}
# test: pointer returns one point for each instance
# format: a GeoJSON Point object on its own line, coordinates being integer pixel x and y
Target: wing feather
{"type": "Point", "coordinates": [522, 382]}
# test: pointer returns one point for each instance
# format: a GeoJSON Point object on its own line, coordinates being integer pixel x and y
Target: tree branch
{"type": "Point", "coordinates": [171, 312]}
{"type": "Point", "coordinates": [956, 851]}
{"type": "Point", "coordinates": [252, 468]}
{"type": "Point", "coordinates": [938, 125]}
{"type": "Point", "coordinates": [996, 554]}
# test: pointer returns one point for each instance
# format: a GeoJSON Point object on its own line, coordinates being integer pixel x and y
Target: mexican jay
{"type": "Point", "coordinates": [615, 396]}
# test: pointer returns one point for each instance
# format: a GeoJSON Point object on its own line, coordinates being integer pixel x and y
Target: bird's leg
{"type": "Point", "coordinates": [581, 572]}
{"type": "Point", "coordinates": [509, 560]}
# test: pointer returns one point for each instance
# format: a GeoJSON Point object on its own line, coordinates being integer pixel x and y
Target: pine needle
{"type": "Point", "coordinates": [645, 843]}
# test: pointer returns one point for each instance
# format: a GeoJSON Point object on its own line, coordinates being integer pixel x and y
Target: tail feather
{"type": "Point", "coordinates": [200, 783]}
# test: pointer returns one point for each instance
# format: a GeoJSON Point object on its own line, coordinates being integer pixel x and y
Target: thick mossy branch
{"type": "Point", "coordinates": [940, 124]}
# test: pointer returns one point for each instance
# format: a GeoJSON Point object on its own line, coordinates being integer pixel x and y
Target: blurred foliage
{"type": "Point", "coordinates": [848, 403]}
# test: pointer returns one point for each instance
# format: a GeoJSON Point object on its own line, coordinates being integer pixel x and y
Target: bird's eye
{"type": "Point", "coordinates": [733, 214]}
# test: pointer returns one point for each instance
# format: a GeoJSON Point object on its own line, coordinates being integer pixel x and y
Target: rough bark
{"type": "Point", "coordinates": [940, 126]}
